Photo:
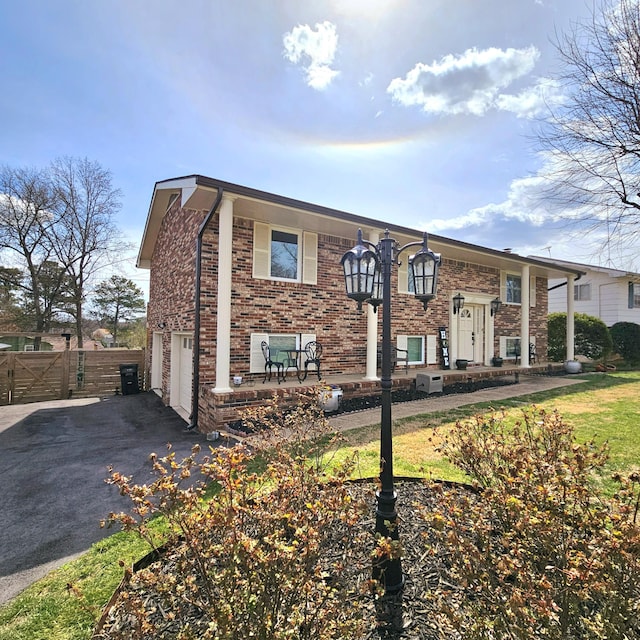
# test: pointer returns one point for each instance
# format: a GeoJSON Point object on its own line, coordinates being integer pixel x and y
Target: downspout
{"type": "Point", "coordinates": [195, 405]}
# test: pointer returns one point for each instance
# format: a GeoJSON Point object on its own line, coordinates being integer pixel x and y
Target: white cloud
{"type": "Point", "coordinates": [532, 101]}
{"type": "Point", "coordinates": [314, 50]}
{"type": "Point", "coordinates": [464, 84]}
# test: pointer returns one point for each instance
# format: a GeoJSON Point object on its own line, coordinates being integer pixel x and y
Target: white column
{"type": "Point", "coordinates": [372, 333]}
{"type": "Point", "coordinates": [225, 272]}
{"type": "Point", "coordinates": [525, 309]}
{"type": "Point", "coordinates": [571, 334]}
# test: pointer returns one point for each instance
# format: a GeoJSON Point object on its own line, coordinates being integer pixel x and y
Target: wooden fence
{"type": "Point", "coordinates": [35, 376]}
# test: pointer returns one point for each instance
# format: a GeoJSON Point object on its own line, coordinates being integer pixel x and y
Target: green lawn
{"type": "Point", "coordinates": [605, 406]}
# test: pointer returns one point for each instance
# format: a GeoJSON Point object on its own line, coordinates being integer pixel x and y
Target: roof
{"type": "Point", "coordinates": [200, 192]}
{"type": "Point", "coordinates": [614, 273]}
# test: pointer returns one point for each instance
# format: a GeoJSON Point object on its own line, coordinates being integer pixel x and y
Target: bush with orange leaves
{"type": "Point", "coordinates": [541, 552]}
{"type": "Point", "coordinates": [270, 556]}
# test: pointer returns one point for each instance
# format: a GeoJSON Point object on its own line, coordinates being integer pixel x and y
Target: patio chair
{"type": "Point", "coordinates": [312, 355]}
{"type": "Point", "coordinates": [269, 363]}
{"type": "Point", "coordinates": [398, 356]}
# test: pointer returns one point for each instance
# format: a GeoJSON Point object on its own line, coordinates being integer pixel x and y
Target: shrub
{"type": "Point", "coordinates": [542, 553]}
{"type": "Point", "coordinates": [626, 341]}
{"type": "Point", "coordinates": [270, 556]}
{"type": "Point", "coordinates": [592, 337]}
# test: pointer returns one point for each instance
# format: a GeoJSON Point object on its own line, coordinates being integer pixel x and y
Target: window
{"type": "Point", "coordinates": [509, 346]}
{"type": "Point", "coordinates": [582, 292]}
{"type": "Point", "coordinates": [634, 295]}
{"type": "Point", "coordinates": [284, 254]}
{"type": "Point", "coordinates": [511, 288]}
{"type": "Point", "coordinates": [278, 343]}
{"type": "Point", "coordinates": [415, 347]}
{"type": "Point", "coordinates": [513, 284]}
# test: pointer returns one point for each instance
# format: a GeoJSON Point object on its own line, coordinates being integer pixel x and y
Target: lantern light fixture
{"type": "Point", "coordinates": [458, 303]}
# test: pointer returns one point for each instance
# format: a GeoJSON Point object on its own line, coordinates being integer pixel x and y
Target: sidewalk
{"type": "Point", "coordinates": [435, 403]}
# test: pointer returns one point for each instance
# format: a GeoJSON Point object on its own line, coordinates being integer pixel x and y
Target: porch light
{"type": "Point", "coordinates": [495, 306]}
{"type": "Point", "coordinates": [360, 265]}
{"type": "Point", "coordinates": [458, 303]}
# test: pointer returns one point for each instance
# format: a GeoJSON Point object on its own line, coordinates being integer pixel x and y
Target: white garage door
{"type": "Point", "coordinates": [186, 371]}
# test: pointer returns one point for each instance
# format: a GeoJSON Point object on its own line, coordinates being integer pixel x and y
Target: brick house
{"type": "Point", "coordinates": [232, 266]}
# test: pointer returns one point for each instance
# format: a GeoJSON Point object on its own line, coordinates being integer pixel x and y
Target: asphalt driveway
{"type": "Point", "coordinates": [53, 463]}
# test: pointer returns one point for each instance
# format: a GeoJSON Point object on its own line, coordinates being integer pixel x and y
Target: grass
{"type": "Point", "coordinates": [604, 406]}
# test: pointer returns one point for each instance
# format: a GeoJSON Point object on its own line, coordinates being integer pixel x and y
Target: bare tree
{"type": "Point", "coordinates": [593, 136]}
{"type": "Point", "coordinates": [86, 238]}
{"type": "Point", "coordinates": [27, 216]}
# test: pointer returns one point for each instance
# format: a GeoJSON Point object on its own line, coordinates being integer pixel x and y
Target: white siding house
{"type": "Point", "coordinates": [613, 295]}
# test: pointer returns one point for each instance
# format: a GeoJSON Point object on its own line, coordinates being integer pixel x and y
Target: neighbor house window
{"type": "Point", "coordinates": [415, 347]}
{"type": "Point", "coordinates": [582, 292]}
{"type": "Point", "coordinates": [634, 295]}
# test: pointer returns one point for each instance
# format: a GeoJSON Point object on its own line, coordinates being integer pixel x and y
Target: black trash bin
{"type": "Point", "coordinates": [129, 379]}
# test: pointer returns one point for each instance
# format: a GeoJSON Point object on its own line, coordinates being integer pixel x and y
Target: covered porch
{"type": "Point", "coordinates": [224, 408]}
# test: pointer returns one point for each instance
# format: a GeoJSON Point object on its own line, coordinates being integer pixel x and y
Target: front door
{"type": "Point", "coordinates": [466, 336]}
{"type": "Point", "coordinates": [471, 333]}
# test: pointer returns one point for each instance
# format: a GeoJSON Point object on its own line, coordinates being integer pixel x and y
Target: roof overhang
{"type": "Point", "coordinates": [199, 192]}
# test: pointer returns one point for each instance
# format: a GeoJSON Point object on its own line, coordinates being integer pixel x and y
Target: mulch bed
{"type": "Point", "coordinates": [350, 405]}
{"type": "Point", "coordinates": [408, 616]}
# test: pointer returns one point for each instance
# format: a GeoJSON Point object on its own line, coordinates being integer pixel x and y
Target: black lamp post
{"type": "Point", "coordinates": [367, 275]}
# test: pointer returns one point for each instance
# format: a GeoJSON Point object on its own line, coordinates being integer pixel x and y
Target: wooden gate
{"type": "Point", "coordinates": [36, 376]}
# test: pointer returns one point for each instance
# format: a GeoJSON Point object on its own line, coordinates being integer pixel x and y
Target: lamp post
{"type": "Point", "coordinates": [367, 274]}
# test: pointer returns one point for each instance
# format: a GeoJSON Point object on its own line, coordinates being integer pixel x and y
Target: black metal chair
{"type": "Point", "coordinates": [269, 363]}
{"type": "Point", "coordinates": [312, 355]}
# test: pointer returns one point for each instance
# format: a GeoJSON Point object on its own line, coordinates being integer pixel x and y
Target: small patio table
{"type": "Point", "coordinates": [293, 360]}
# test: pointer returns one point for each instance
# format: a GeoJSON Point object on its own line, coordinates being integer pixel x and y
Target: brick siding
{"type": "Point", "coordinates": [268, 306]}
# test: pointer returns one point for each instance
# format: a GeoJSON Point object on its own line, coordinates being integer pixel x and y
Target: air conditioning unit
{"type": "Point", "coordinates": [429, 382]}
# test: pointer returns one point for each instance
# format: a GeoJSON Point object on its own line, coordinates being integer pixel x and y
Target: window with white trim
{"type": "Point", "coordinates": [511, 288]}
{"type": "Point", "coordinates": [509, 346]}
{"type": "Point", "coordinates": [634, 295]}
{"type": "Point", "coordinates": [279, 344]}
{"type": "Point", "coordinates": [280, 253]}
{"type": "Point", "coordinates": [582, 292]}
{"type": "Point", "coordinates": [414, 346]}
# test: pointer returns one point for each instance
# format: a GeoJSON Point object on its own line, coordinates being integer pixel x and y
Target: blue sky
{"type": "Point", "coordinates": [416, 112]}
